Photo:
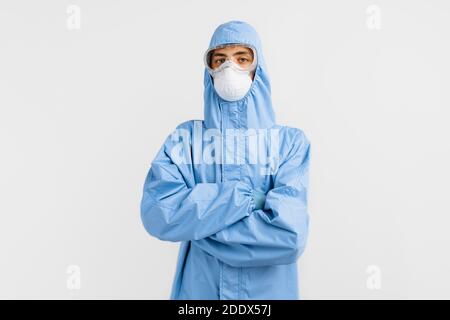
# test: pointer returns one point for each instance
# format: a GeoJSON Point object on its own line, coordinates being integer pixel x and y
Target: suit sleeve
{"type": "Point", "coordinates": [171, 210]}
{"type": "Point", "coordinates": [276, 234]}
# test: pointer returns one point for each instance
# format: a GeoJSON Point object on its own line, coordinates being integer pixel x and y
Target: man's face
{"type": "Point", "coordinates": [242, 56]}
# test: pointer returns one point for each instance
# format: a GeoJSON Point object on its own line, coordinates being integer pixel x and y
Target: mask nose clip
{"type": "Point", "coordinates": [228, 64]}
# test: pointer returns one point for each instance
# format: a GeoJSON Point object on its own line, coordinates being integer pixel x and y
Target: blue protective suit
{"type": "Point", "coordinates": [242, 226]}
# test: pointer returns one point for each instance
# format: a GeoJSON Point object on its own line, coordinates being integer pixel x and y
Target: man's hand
{"type": "Point", "coordinates": [259, 199]}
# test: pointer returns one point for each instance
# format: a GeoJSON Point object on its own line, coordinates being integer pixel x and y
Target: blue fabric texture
{"type": "Point", "coordinates": [242, 225]}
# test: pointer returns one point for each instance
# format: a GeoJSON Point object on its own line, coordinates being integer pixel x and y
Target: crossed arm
{"type": "Point", "coordinates": [225, 219]}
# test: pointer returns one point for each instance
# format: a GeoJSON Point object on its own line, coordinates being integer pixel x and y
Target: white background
{"type": "Point", "coordinates": [83, 112]}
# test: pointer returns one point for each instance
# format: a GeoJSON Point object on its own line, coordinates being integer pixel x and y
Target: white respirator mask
{"type": "Point", "coordinates": [231, 81]}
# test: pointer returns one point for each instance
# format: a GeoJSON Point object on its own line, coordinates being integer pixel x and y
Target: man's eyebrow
{"type": "Point", "coordinates": [241, 52]}
{"type": "Point", "coordinates": [219, 54]}
{"type": "Point", "coordinates": [215, 54]}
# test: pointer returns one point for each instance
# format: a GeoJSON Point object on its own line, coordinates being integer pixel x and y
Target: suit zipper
{"type": "Point", "coordinates": [222, 144]}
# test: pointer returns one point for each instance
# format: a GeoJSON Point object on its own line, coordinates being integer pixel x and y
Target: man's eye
{"type": "Point", "coordinates": [219, 61]}
{"type": "Point", "coordinates": [243, 60]}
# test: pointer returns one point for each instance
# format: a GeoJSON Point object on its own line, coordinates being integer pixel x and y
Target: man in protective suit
{"type": "Point", "coordinates": [233, 187]}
